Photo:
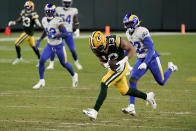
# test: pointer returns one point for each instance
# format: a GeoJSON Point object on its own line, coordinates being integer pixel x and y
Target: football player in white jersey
{"type": "Point", "coordinates": [54, 30]}
{"type": "Point", "coordinates": [147, 57]}
{"type": "Point", "coordinates": [70, 18]}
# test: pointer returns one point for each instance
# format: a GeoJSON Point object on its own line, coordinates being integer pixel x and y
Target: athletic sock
{"type": "Point", "coordinates": [136, 93]}
{"type": "Point", "coordinates": [102, 96]}
{"type": "Point", "coordinates": [36, 52]}
{"type": "Point", "coordinates": [18, 51]}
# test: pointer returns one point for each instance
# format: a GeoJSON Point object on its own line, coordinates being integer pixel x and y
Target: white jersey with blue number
{"type": "Point", "coordinates": [67, 15]}
{"type": "Point", "coordinates": [136, 39]}
{"type": "Point", "coordinates": [52, 26]}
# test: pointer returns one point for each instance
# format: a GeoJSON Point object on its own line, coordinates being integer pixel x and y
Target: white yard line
{"type": "Point", "coordinates": [120, 34]}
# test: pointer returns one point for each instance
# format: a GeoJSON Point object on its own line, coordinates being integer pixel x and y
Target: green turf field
{"type": "Point", "coordinates": [59, 107]}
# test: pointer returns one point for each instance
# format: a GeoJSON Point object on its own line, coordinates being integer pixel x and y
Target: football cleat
{"type": "Point", "coordinates": [172, 66]}
{"type": "Point", "coordinates": [75, 80]}
{"type": "Point", "coordinates": [17, 61]}
{"type": "Point", "coordinates": [91, 113]}
{"type": "Point", "coordinates": [40, 84]}
{"type": "Point", "coordinates": [78, 65]}
{"type": "Point", "coordinates": [150, 99]}
{"type": "Point", "coordinates": [50, 66]}
{"type": "Point", "coordinates": [129, 110]}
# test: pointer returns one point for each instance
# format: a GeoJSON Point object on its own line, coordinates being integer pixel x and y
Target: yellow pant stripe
{"type": "Point", "coordinates": [21, 39]}
{"type": "Point", "coordinates": [65, 54]}
{"type": "Point", "coordinates": [160, 68]}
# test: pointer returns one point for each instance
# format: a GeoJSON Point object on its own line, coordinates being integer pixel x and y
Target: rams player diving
{"type": "Point", "coordinates": [54, 30]}
{"type": "Point", "coordinates": [147, 57]}
{"type": "Point", "coordinates": [70, 17]}
{"type": "Point", "coordinates": [29, 19]}
{"type": "Point", "coordinates": [113, 47]}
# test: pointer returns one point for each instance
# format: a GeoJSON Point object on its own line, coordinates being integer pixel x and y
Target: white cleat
{"type": "Point", "coordinates": [50, 66]}
{"type": "Point", "coordinates": [150, 99]}
{"type": "Point", "coordinates": [75, 80]}
{"type": "Point", "coordinates": [172, 66]}
{"type": "Point", "coordinates": [40, 84]}
{"type": "Point", "coordinates": [129, 110]}
{"type": "Point", "coordinates": [91, 113]}
{"type": "Point", "coordinates": [78, 65]}
{"type": "Point", "coordinates": [17, 61]}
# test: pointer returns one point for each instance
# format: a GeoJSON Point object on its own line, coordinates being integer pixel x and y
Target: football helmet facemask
{"type": "Point", "coordinates": [50, 11]}
{"type": "Point", "coordinates": [131, 22]}
{"type": "Point", "coordinates": [97, 41]}
{"type": "Point", "coordinates": [66, 3]}
{"type": "Point", "coordinates": [29, 6]}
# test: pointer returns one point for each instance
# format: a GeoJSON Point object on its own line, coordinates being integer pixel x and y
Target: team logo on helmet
{"type": "Point", "coordinates": [97, 41]}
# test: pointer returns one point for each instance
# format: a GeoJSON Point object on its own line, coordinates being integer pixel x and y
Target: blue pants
{"type": "Point", "coordinates": [61, 53]}
{"type": "Point", "coordinates": [71, 44]}
{"type": "Point", "coordinates": [156, 70]}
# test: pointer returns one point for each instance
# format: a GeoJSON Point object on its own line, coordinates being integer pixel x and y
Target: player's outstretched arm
{"type": "Point", "coordinates": [40, 39]}
{"type": "Point", "coordinates": [17, 21]}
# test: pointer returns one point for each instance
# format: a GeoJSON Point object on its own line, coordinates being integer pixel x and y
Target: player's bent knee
{"type": "Point", "coordinates": [103, 85]}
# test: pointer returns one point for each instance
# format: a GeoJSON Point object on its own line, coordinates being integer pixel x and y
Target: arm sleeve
{"type": "Point", "coordinates": [150, 46]}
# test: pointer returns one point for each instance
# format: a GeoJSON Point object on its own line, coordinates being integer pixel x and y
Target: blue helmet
{"type": "Point", "coordinates": [50, 11]}
{"type": "Point", "coordinates": [131, 21]}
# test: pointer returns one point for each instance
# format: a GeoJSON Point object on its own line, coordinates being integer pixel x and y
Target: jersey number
{"type": "Point", "coordinates": [139, 50]}
{"type": "Point", "coordinates": [50, 30]}
{"type": "Point", "coordinates": [26, 21]}
{"type": "Point", "coordinates": [68, 19]}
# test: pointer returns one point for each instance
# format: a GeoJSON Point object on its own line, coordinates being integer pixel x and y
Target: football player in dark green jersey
{"type": "Point", "coordinates": [106, 49]}
{"type": "Point", "coordinates": [29, 18]}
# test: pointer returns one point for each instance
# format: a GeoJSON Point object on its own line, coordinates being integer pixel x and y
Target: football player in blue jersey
{"type": "Point", "coordinates": [54, 30]}
{"type": "Point", "coordinates": [147, 57]}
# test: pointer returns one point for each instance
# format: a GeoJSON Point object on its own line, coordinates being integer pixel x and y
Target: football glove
{"type": "Point", "coordinates": [122, 64]}
{"type": "Point", "coordinates": [51, 35]}
{"type": "Point", "coordinates": [11, 23]}
{"type": "Point", "coordinates": [77, 32]}
{"type": "Point", "coordinates": [106, 65]}
{"type": "Point", "coordinates": [142, 66]}
{"type": "Point", "coordinates": [37, 44]}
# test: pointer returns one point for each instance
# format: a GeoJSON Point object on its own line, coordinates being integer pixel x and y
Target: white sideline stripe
{"type": "Point", "coordinates": [65, 125]}
{"type": "Point", "coordinates": [120, 34]}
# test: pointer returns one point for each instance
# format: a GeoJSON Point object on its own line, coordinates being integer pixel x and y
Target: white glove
{"type": "Point", "coordinates": [122, 64]}
{"type": "Point", "coordinates": [106, 65]}
{"type": "Point", "coordinates": [142, 66]}
{"type": "Point", "coordinates": [11, 23]}
{"type": "Point", "coordinates": [77, 32]}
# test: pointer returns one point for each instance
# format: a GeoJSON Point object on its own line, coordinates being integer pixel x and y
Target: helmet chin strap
{"type": "Point", "coordinates": [50, 18]}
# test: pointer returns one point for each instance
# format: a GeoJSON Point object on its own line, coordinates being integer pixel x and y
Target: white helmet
{"type": "Point", "coordinates": [66, 3]}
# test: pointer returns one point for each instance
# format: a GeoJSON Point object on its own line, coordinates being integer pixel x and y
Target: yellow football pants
{"type": "Point", "coordinates": [25, 37]}
{"type": "Point", "coordinates": [117, 79]}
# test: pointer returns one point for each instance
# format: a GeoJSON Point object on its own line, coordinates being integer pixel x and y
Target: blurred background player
{"type": "Point", "coordinates": [113, 47]}
{"type": "Point", "coordinates": [55, 30]}
{"type": "Point", "coordinates": [70, 18]}
{"type": "Point", "coordinates": [147, 57]}
{"type": "Point", "coordinates": [29, 19]}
